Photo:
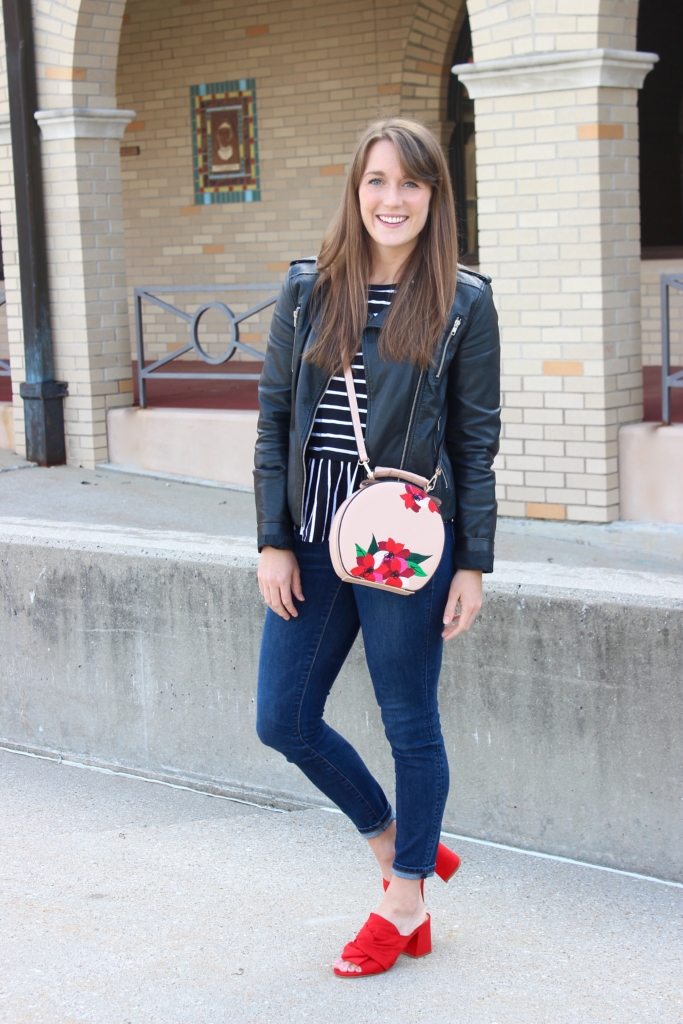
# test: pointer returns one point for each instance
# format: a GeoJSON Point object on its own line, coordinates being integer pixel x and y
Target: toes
{"type": "Point", "coordinates": [346, 966]}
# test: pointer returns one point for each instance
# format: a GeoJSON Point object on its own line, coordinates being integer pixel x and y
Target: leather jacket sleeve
{"type": "Point", "coordinates": [472, 434]}
{"type": "Point", "coordinates": [275, 526]}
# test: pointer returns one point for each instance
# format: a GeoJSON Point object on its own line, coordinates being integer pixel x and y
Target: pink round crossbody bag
{"type": "Point", "coordinates": [389, 534]}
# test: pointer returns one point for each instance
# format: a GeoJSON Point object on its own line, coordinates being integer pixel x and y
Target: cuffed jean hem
{"type": "Point", "coordinates": [376, 830]}
{"type": "Point", "coordinates": [412, 876]}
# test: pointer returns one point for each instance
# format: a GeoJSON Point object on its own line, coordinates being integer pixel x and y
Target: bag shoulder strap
{"type": "Point", "coordinates": [355, 419]}
{"type": "Point", "coordinates": [413, 478]}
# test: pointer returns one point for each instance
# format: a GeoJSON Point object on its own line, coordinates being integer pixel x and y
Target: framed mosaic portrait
{"type": "Point", "coordinates": [225, 143]}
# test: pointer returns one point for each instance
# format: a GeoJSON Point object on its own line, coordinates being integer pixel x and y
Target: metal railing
{"type": "Point", "coordinates": [4, 365]}
{"type": "Point", "coordinates": [146, 373]}
{"type": "Point", "coordinates": [669, 380]}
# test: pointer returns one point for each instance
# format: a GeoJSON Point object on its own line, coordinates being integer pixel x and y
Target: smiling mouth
{"type": "Point", "coordinates": [391, 220]}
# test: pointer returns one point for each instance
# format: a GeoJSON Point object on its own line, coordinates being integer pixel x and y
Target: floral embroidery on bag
{"type": "Point", "coordinates": [414, 495]}
{"type": "Point", "coordinates": [388, 562]}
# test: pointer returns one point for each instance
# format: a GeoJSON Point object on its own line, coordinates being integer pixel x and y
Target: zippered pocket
{"type": "Point", "coordinates": [454, 331]}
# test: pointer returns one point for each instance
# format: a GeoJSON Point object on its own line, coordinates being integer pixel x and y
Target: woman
{"type": "Point", "coordinates": [381, 298]}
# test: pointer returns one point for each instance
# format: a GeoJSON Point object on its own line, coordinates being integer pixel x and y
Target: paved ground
{"type": "Point", "coordinates": [124, 902]}
{"type": "Point", "coordinates": [67, 494]}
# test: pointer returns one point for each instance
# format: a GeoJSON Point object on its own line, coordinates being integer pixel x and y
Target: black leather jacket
{"type": "Point", "coordinates": [447, 415]}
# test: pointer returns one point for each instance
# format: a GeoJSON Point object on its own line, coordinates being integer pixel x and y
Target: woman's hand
{"type": "Point", "coordinates": [278, 579]}
{"type": "Point", "coordinates": [466, 590]}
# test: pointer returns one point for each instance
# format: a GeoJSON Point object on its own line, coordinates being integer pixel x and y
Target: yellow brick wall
{"type": "Point", "coordinates": [322, 71]}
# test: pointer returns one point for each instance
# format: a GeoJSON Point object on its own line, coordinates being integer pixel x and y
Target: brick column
{"type": "Point", "coordinates": [10, 254]}
{"type": "Point", "coordinates": [559, 232]}
{"type": "Point", "coordinates": [82, 175]}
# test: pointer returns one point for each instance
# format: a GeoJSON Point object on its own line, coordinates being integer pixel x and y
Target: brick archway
{"type": "Point", "coordinates": [76, 46]}
{"type": "Point", "coordinates": [426, 66]}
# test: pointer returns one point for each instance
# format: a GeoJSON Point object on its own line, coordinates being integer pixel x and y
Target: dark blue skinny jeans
{"type": "Point", "coordinates": [300, 660]}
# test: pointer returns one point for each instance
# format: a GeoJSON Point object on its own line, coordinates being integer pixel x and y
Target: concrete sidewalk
{"type": "Point", "coordinates": [125, 902]}
{"type": "Point", "coordinates": [125, 500]}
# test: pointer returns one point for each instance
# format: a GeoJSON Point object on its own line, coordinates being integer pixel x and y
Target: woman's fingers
{"type": "Point", "coordinates": [465, 593]}
{"type": "Point", "coordinates": [287, 600]}
{"type": "Point", "coordinates": [279, 598]}
{"type": "Point", "coordinates": [296, 584]}
{"type": "Point", "coordinates": [279, 581]}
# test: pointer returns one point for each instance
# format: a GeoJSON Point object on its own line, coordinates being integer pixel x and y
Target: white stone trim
{"type": "Point", "coordinates": [551, 72]}
{"type": "Point", "coordinates": [83, 123]}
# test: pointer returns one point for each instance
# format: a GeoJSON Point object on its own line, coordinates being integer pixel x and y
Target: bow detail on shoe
{"type": "Point", "coordinates": [379, 944]}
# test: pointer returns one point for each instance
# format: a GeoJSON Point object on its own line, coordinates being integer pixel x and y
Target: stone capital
{"type": "Point", "coordinates": [552, 72]}
{"type": "Point", "coordinates": [82, 123]}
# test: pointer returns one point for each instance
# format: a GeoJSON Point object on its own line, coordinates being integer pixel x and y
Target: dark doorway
{"type": "Point", "coordinates": [461, 151]}
{"type": "Point", "coordinates": [660, 113]}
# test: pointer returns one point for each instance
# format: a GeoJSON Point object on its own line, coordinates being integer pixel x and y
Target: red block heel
{"type": "Point", "coordinates": [420, 941]}
{"type": "Point", "coordinates": [447, 862]}
{"type": "Point", "coordinates": [379, 944]}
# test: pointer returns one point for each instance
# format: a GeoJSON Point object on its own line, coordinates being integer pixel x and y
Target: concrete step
{"type": "Point", "coordinates": [138, 648]}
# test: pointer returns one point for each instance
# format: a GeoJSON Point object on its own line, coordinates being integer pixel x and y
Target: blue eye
{"type": "Point", "coordinates": [411, 184]}
{"type": "Point", "coordinates": [375, 181]}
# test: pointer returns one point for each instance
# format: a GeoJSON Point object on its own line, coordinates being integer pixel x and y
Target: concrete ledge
{"type": "Point", "coordinates": [212, 444]}
{"type": "Point", "coordinates": [651, 472]}
{"type": "Point", "coordinates": [6, 426]}
{"type": "Point", "coordinates": [560, 708]}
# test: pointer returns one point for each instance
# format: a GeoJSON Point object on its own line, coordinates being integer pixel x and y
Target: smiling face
{"type": "Point", "coordinates": [393, 207]}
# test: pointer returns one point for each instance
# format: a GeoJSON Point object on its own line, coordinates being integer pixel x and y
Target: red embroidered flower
{"type": "Point", "coordinates": [393, 568]}
{"type": "Point", "coordinates": [394, 548]}
{"type": "Point", "coordinates": [366, 569]}
{"type": "Point", "coordinates": [412, 496]}
{"type": "Point", "coordinates": [432, 506]}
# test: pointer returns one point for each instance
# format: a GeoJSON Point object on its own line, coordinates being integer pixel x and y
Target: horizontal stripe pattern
{"type": "Point", "coordinates": [333, 472]}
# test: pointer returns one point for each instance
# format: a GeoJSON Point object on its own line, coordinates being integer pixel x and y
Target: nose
{"type": "Point", "coordinates": [393, 196]}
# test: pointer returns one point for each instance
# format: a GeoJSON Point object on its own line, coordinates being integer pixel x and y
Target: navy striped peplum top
{"type": "Point", "coordinates": [332, 469]}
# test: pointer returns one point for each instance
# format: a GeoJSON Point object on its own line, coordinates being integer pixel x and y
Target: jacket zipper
{"type": "Point", "coordinates": [410, 421]}
{"type": "Point", "coordinates": [456, 324]}
{"type": "Point", "coordinates": [295, 317]}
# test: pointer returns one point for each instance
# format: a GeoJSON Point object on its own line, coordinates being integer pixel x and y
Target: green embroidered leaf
{"type": "Point", "coordinates": [416, 569]}
{"type": "Point", "coordinates": [374, 547]}
{"type": "Point", "coordinates": [414, 557]}
{"type": "Point", "coordinates": [360, 553]}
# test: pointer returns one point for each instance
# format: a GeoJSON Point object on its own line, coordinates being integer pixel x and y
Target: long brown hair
{"type": "Point", "coordinates": [424, 294]}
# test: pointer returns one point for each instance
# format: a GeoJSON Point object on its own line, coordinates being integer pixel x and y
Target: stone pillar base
{"type": "Point", "coordinates": [208, 444]}
{"type": "Point", "coordinates": [651, 472]}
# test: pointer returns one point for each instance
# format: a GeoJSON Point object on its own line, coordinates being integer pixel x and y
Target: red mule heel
{"type": "Point", "coordinates": [447, 862]}
{"type": "Point", "coordinates": [420, 941]}
{"type": "Point", "coordinates": [379, 944]}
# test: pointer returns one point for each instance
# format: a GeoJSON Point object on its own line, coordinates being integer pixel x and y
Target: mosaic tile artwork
{"type": "Point", "coordinates": [225, 142]}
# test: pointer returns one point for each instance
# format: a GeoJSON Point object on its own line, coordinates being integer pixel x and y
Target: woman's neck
{"type": "Point", "coordinates": [387, 265]}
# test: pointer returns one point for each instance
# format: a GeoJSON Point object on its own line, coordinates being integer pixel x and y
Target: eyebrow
{"type": "Point", "coordinates": [384, 172]}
